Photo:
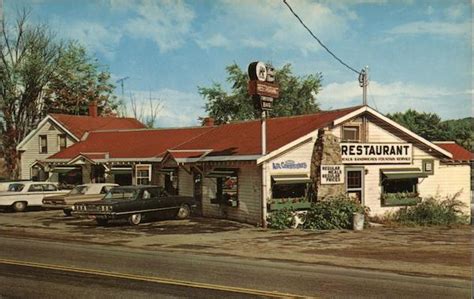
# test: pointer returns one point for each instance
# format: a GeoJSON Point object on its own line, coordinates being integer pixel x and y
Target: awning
{"type": "Point", "coordinates": [291, 179]}
{"type": "Point", "coordinates": [221, 173]}
{"type": "Point", "coordinates": [64, 169]}
{"type": "Point", "coordinates": [167, 170]}
{"type": "Point", "coordinates": [121, 170]}
{"type": "Point", "coordinates": [403, 173]}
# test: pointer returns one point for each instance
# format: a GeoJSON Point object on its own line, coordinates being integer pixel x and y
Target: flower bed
{"type": "Point", "coordinates": [295, 204]}
{"type": "Point", "coordinates": [400, 199]}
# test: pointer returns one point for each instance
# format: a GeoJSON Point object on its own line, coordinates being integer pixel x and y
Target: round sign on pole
{"type": "Point", "coordinates": [257, 71]}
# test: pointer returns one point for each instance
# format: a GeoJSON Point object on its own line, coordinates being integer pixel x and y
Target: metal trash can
{"type": "Point", "coordinates": [358, 221]}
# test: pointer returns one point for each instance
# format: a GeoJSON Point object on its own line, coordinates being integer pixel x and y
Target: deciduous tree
{"type": "Point", "coordinates": [297, 95]}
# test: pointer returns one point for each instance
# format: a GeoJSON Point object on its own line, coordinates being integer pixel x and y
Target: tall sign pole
{"type": "Point", "coordinates": [263, 90]}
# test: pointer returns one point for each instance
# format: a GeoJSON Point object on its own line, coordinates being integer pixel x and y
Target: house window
{"type": "Point", "coordinates": [289, 190]}
{"type": "Point", "coordinates": [62, 142]}
{"type": "Point", "coordinates": [143, 174]}
{"type": "Point", "coordinates": [43, 144]}
{"type": "Point", "coordinates": [400, 185]}
{"type": "Point", "coordinates": [428, 166]}
{"type": "Point", "coordinates": [350, 133]}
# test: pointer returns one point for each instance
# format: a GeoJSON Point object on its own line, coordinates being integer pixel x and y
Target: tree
{"type": "Point", "coordinates": [152, 106]}
{"type": "Point", "coordinates": [28, 58]}
{"type": "Point", "coordinates": [38, 73]}
{"type": "Point", "coordinates": [427, 125]}
{"type": "Point", "coordinates": [297, 96]}
{"type": "Point", "coordinates": [76, 82]}
{"type": "Point", "coordinates": [431, 127]}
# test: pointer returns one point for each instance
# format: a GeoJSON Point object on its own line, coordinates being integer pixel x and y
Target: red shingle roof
{"type": "Point", "coordinates": [131, 143]}
{"type": "Point", "coordinates": [240, 138]}
{"type": "Point", "coordinates": [80, 124]}
{"type": "Point", "coordinates": [459, 152]}
{"type": "Point", "coordinates": [244, 138]}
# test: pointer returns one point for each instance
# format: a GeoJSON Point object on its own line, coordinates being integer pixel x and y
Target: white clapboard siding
{"type": "Point", "coordinates": [249, 209]}
{"type": "Point", "coordinates": [31, 153]}
{"type": "Point", "coordinates": [186, 183]}
{"type": "Point", "coordinates": [447, 181]}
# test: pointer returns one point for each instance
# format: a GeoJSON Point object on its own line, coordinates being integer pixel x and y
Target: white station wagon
{"type": "Point", "coordinates": [26, 194]}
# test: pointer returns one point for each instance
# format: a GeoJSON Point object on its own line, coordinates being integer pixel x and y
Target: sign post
{"type": "Point", "coordinates": [263, 90]}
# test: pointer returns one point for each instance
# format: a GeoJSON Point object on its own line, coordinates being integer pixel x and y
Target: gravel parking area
{"type": "Point", "coordinates": [430, 251]}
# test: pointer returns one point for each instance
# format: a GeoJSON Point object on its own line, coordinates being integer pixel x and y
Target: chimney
{"type": "Point", "coordinates": [93, 109]}
{"type": "Point", "coordinates": [208, 122]}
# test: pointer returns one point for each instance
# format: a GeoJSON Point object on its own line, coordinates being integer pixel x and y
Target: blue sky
{"type": "Point", "coordinates": [418, 52]}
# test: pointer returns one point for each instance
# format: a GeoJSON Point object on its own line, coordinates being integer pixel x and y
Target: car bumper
{"type": "Point", "coordinates": [94, 215]}
{"type": "Point", "coordinates": [56, 206]}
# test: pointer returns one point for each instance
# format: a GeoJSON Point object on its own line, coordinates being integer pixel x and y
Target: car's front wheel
{"type": "Point", "coordinates": [184, 212]}
{"type": "Point", "coordinates": [19, 206]}
{"type": "Point", "coordinates": [135, 219]}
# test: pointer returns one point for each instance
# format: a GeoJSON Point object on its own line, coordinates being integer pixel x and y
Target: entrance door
{"type": "Point", "coordinates": [355, 183]}
{"type": "Point", "coordinates": [197, 178]}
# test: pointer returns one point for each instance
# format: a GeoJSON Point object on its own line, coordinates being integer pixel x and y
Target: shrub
{"type": "Point", "coordinates": [280, 219]}
{"type": "Point", "coordinates": [333, 213]}
{"type": "Point", "coordinates": [432, 211]}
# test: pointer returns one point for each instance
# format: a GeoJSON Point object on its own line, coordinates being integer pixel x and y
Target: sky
{"type": "Point", "coordinates": [419, 53]}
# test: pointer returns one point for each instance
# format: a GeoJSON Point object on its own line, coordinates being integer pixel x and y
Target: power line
{"type": "Point", "coordinates": [319, 41]}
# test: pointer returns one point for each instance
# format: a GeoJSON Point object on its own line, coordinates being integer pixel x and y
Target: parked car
{"type": "Point", "coordinates": [80, 193]}
{"type": "Point", "coordinates": [26, 194]}
{"type": "Point", "coordinates": [5, 184]}
{"type": "Point", "coordinates": [134, 203]}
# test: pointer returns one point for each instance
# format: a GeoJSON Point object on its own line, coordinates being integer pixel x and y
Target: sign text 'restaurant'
{"type": "Point", "coordinates": [384, 153]}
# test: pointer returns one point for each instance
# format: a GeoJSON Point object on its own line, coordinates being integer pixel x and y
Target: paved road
{"type": "Point", "coordinates": [32, 268]}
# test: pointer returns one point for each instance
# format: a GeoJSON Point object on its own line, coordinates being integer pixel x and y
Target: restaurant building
{"type": "Point", "coordinates": [356, 150]}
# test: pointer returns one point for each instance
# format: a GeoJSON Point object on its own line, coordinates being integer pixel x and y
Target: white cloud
{"type": "Point", "coordinates": [433, 28]}
{"type": "Point", "coordinates": [179, 108]}
{"type": "Point", "coordinates": [97, 37]}
{"type": "Point", "coordinates": [216, 40]}
{"type": "Point", "coordinates": [166, 22]}
{"type": "Point", "coordinates": [268, 23]}
{"type": "Point", "coordinates": [456, 11]}
{"type": "Point", "coordinates": [398, 96]}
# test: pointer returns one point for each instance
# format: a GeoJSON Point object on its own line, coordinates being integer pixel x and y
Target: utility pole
{"type": "Point", "coordinates": [364, 82]}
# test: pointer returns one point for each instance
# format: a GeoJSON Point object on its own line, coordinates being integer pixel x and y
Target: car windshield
{"type": "Point", "coordinates": [119, 193]}
{"type": "Point", "coordinates": [16, 187]}
{"type": "Point", "coordinates": [78, 190]}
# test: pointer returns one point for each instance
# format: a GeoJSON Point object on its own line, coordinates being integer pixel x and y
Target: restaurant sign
{"type": "Point", "coordinates": [332, 174]}
{"type": "Point", "coordinates": [382, 153]}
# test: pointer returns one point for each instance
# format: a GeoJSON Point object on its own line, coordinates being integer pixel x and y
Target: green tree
{"type": "Point", "coordinates": [76, 82]}
{"type": "Point", "coordinates": [38, 73]}
{"type": "Point", "coordinates": [427, 125]}
{"type": "Point", "coordinates": [297, 95]}
{"type": "Point", "coordinates": [461, 131]}
{"type": "Point", "coordinates": [431, 127]}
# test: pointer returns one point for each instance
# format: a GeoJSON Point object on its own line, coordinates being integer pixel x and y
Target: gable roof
{"type": "Point", "coordinates": [459, 153]}
{"type": "Point", "coordinates": [238, 141]}
{"type": "Point", "coordinates": [371, 111]}
{"type": "Point", "coordinates": [234, 139]}
{"type": "Point", "coordinates": [123, 144]}
{"type": "Point", "coordinates": [78, 125]}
